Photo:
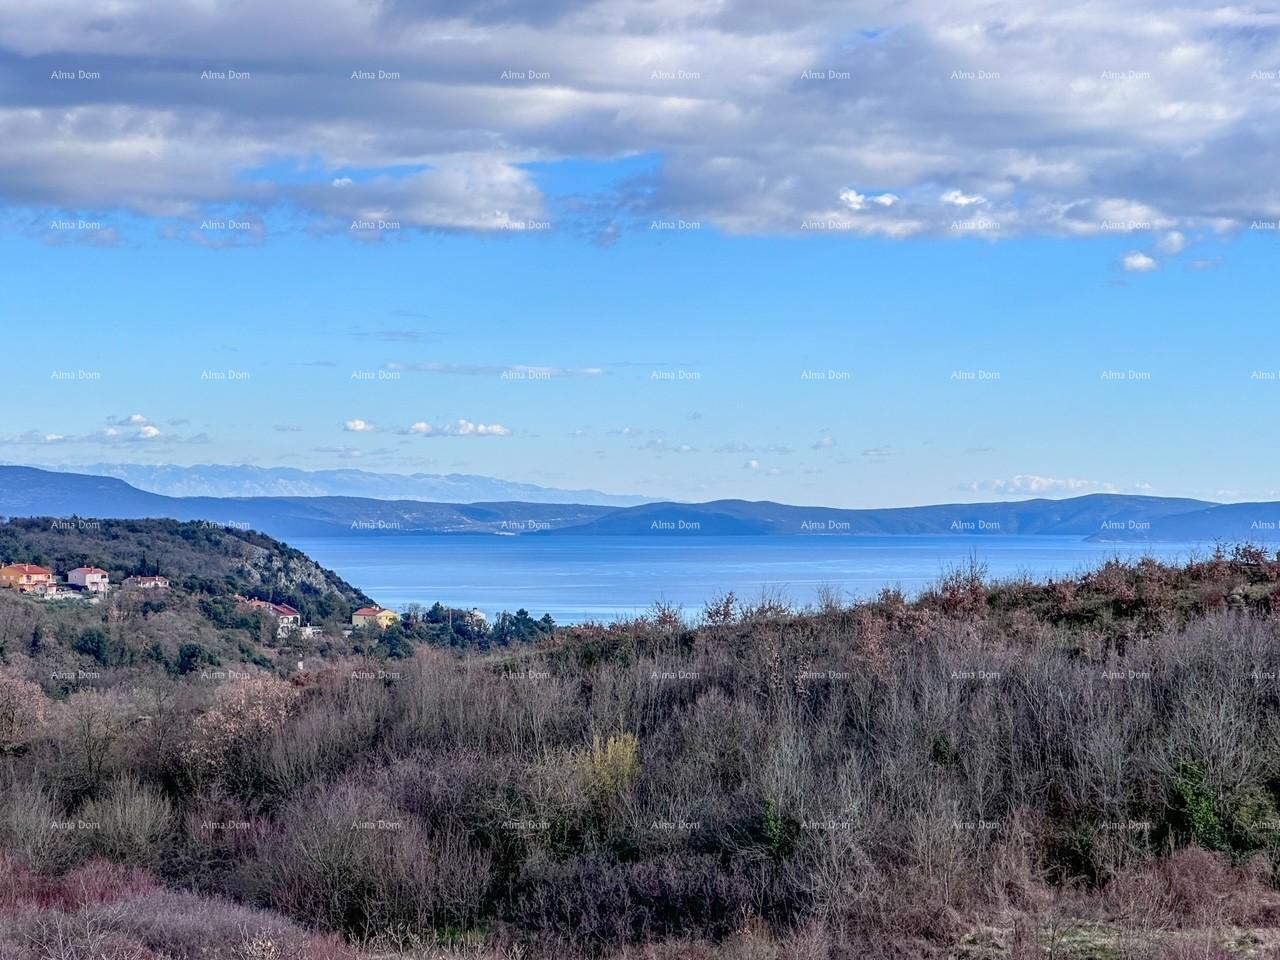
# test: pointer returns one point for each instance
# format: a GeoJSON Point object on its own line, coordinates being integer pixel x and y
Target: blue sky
{"type": "Point", "coordinates": [439, 329]}
{"type": "Point", "coordinates": [1003, 250]}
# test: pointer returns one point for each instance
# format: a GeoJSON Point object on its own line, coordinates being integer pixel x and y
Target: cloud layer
{"type": "Point", "coordinates": [871, 118]}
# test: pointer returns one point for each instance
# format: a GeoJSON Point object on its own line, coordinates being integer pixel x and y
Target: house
{"type": "Point", "coordinates": [26, 577]}
{"type": "Point", "coordinates": [147, 583]}
{"type": "Point", "coordinates": [288, 618]}
{"type": "Point", "coordinates": [89, 579]}
{"type": "Point", "coordinates": [374, 616]}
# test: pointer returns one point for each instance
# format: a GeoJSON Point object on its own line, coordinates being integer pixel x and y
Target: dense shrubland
{"type": "Point", "coordinates": [1011, 769]}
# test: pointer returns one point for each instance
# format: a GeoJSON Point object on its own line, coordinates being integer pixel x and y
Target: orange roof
{"type": "Point", "coordinates": [88, 570]}
{"type": "Point", "coordinates": [368, 612]}
{"type": "Point", "coordinates": [279, 609]}
{"type": "Point", "coordinates": [28, 568]}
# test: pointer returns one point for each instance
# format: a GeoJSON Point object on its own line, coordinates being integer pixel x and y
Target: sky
{"type": "Point", "coordinates": [857, 254]}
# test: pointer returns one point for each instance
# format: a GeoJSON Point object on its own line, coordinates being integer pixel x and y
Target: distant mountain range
{"type": "Point", "coordinates": [214, 480]}
{"type": "Point", "coordinates": [28, 491]}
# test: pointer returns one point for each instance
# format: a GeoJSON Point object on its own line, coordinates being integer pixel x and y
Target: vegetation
{"type": "Point", "coordinates": [199, 626]}
{"type": "Point", "coordinates": [1084, 768]}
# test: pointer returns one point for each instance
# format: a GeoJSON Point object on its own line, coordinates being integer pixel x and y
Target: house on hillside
{"type": "Point", "coordinates": [26, 577]}
{"type": "Point", "coordinates": [374, 616]}
{"type": "Point", "coordinates": [89, 579]}
{"type": "Point", "coordinates": [288, 619]}
{"type": "Point", "coordinates": [147, 583]}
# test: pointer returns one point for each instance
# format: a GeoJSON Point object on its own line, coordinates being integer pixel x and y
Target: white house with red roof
{"type": "Point", "coordinates": [89, 579]}
{"type": "Point", "coordinates": [288, 618]}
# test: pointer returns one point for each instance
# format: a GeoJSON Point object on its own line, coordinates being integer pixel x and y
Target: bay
{"type": "Point", "coordinates": [602, 578]}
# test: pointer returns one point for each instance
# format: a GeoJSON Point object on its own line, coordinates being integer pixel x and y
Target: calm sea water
{"type": "Point", "coordinates": [603, 578]}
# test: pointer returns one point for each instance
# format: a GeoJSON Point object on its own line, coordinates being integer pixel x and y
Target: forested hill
{"type": "Point", "coordinates": [204, 557]}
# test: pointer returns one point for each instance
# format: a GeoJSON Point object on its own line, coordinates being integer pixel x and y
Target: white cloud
{"type": "Point", "coordinates": [751, 465]}
{"type": "Point", "coordinates": [359, 426]}
{"type": "Point", "coordinates": [1183, 132]}
{"type": "Point", "coordinates": [465, 428]}
{"type": "Point", "coordinates": [853, 199]}
{"type": "Point", "coordinates": [1171, 243]}
{"type": "Point", "coordinates": [1138, 262]}
{"type": "Point", "coordinates": [149, 432]}
{"type": "Point", "coordinates": [459, 428]}
{"type": "Point", "coordinates": [958, 199]}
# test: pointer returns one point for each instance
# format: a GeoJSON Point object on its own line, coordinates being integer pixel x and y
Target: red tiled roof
{"type": "Point", "coordinates": [368, 612]}
{"type": "Point", "coordinates": [88, 570]}
{"type": "Point", "coordinates": [279, 609]}
{"type": "Point", "coordinates": [29, 568]}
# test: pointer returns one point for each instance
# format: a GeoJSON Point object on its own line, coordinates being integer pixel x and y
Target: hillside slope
{"type": "Point", "coordinates": [195, 623]}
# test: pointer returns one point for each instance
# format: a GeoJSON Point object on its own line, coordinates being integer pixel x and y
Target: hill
{"type": "Point", "coordinates": [195, 622]}
{"type": "Point", "coordinates": [28, 491]}
{"type": "Point", "coordinates": [1078, 516]}
{"type": "Point", "coordinates": [1231, 522]}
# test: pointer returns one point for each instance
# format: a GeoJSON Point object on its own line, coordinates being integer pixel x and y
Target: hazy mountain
{"type": "Point", "coordinates": [27, 491]}
{"type": "Point", "coordinates": [1116, 514]}
{"type": "Point", "coordinates": [1229, 522]}
{"type": "Point", "coordinates": [213, 480]}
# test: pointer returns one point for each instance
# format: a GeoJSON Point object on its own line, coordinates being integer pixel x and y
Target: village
{"type": "Point", "coordinates": [91, 584]}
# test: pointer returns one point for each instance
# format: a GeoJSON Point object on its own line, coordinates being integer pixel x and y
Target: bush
{"type": "Point", "coordinates": [130, 825]}
{"type": "Point", "coordinates": [596, 901]}
{"type": "Point", "coordinates": [346, 860]}
{"type": "Point", "coordinates": [27, 819]}
{"type": "Point", "coordinates": [22, 711]}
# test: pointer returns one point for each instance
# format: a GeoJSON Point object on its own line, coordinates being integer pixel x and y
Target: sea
{"type": "Point", "coordinates": [578, 579]}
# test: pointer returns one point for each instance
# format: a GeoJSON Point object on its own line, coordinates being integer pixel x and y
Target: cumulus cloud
{"type": "Point", "coordinates": [1138, 262]}
{"type": "Point", "coordinates": [459, 428]}
{"type": "Point", "coordinates": [131, 420]}
{"type": "Point", "coordinates": [1172, 243]}
{"type": "Point", "coordinates": [958, 198]}
{"type": "Point", "coordinates": [1148, 112]}
{"type": "Point", "coordinates": [359, 426]}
